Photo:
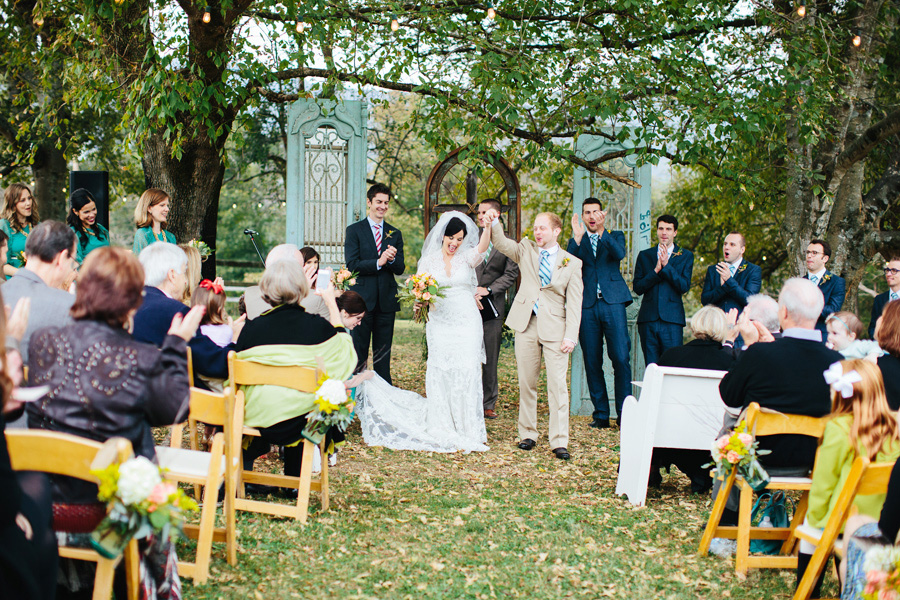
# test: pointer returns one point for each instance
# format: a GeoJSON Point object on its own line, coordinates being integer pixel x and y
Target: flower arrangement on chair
{"type": "Point", "coordinates": [142, 505]}
{"type": "Point", "coordinates": [202, 247]}
{"type": "Point", "coordinates": [334, 408]}
{"type": "Point", "coordinates": [882, 567]}
{"type": "Point", "coordinates": [739, 449]}
{"type": "Point", "coordinates": [421, 290]}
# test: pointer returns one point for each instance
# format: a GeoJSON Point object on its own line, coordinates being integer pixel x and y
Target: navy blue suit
{"type": "Point", "coordinates": [152, 322]}
{"type": "Point", "coordinates": [661, 317]}
{"type": "Point", "coordinates": [378, 287]}
{"type": "Point", "coordinates": [604, 316]}
{"type": "Point", "coordinates": [737, 288]}
{"type": "Point", "coordinates": [833, 289]}
{"type": "Point", "coordinates": [881, 301]}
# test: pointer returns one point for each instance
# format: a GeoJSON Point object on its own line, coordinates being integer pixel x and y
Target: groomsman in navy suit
{"type": "Point", "coordinates": [832, 287]}
{"type": "Point", "coordinates": [729, 283]}
{"type": "Point", "coordinates": [662, 275]}
{"type": "Point", "coordinates": [603, 307]}
{"type": "Point", "coordinates": [892, 276]}
{"type": "Point", "coordinates": [375, 250]}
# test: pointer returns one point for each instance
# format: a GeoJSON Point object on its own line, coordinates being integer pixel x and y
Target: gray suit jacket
{"type": "Point", "coordinates": [49, 306]}
{"type": "Point", "coordinates": [499, 273]}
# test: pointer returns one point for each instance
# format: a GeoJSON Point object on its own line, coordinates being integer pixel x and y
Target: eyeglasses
{"type": "Point", "coordinates": [814, 253]}
{"type": "Point", "coordinates": [890, 271]}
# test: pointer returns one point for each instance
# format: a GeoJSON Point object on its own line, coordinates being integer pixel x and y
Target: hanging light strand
{"type": "Point", "coordinates": [801, 8]}
{"type": "Point", "coordinates": [491, 13]}
{"type": "Point", "coordinates": [395, 24]}
{"type": "Point", "coordinates": [207, 13]}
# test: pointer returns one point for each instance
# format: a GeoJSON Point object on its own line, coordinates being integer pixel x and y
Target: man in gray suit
{"type": "Point", "coordinates": [50, 262]}
{"type": "Point", "coordinates": [496, 274]}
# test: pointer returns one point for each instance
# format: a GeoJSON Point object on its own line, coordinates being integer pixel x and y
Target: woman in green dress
{"type": "Point", "coordinates": [150, 218]}
{"type": "Point", "coordinates": [82, 218]}
{"type": "Point", "coordinates": [18, 217]}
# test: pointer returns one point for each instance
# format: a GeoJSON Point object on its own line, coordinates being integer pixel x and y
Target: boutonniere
{"type": "Point", "coordinates": [742, 267]}
{"type": "Point", "coordinates": [676, 253]}
{"type": "Point", "coordinates": [389, 233]}
{"type": "Point", "coordinates": [564, 262]}
{"type": "Point", "coordinates": [825, 278]}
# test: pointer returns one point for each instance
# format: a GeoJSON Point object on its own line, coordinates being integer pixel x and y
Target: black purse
{"type": "Point", "coordinates": [489, 311]}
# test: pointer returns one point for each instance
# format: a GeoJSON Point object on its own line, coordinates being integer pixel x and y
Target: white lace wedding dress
{"type": "Point", "coordinates": [451, 417]}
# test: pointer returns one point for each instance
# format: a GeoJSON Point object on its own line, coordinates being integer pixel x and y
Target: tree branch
{"type": "Point", "coordinates": [860, 148]}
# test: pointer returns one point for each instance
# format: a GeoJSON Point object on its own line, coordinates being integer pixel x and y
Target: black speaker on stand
{"type": "Point", "coordinates": [97, 183]}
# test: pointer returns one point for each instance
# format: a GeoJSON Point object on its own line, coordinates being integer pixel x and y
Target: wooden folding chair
{"type": "Point", "coordinates": [762, 422]}
{"type": "Point", "coordinates": [865, 479]}
{"type": "Point", "coordinates": [303, 379]}
{"type": "Point", "coordinates": [64, 454]}
{"type": "Point", "coordinates": [208, 469]}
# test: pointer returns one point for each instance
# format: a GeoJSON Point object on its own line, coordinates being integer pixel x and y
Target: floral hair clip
{"type": "Point", "coordinates": [215, 288]}
{"type": "Point", "coordinates": [841, 382]}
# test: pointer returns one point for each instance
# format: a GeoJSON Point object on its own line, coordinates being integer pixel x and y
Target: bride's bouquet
{"type": "Point", "coordinates": [421, 290]}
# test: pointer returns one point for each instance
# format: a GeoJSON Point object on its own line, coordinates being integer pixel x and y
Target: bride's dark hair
{"type": "Point", "coordinates": [454, 226]}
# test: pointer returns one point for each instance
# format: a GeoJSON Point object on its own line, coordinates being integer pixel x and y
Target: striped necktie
{"type": "Point", "coordinates": [594, 239]}
{"type": "Point", "coordinates": [732, 267]}
{"type": "Point", "coordinates": [377, 238]}
{"type": "Point", "coordinates": [487, 255]}
{"type": "Point", "coordinates": [544, 272]}
{"type": "Point", "coordinates": [895, 295]}
{"type": "Point", "coordinates": [814, 278]}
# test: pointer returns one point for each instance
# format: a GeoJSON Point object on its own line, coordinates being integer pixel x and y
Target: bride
{"type": "Point", "coordinates": [451, 417]}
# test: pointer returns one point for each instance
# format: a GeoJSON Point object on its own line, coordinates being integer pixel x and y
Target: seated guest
{"type": "Point", "coordinates": [763, 309]}
{"type": "Point", "coordinates": [216, 325]}
{"type": "Point", "coordinates": [861, 424]}
{"type": "Point", "coordinates": [51, 253]}
{"type": "Point", "coordinates": [887, 334]}
{"type": "Point", "coordinates": [288, 335]}
{"type": "Point", "coordinates": [863, 530]}
{"type": "Point", "coordinates": [309, 260]}
{"type": "Point", "coordinates": [892, 278]}
{"type": "Point", "coordinates": [27, 542]}
{"type": "Point", "coordinates": [165, 268]}
{"type": "Point", "coordinates": [844, 331]}
{"type": "Point", "coordinates": [785, 375]}
{"type": "Point", "coordinates": [710, 328]}
{"type": "Point", "coordinates": [106, 384]}
{"type": "Point", "coordinates": [192, 273]}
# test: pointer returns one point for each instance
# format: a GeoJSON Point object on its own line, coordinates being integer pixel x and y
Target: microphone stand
{"type": "Point", "coordinates": [251, 233]}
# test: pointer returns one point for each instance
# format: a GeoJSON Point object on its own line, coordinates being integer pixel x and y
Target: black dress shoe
{"type": "Point", "coordinates": [561, 453]}
{"type": "Point", "coordinates": [257, 489]}
{"type": "Point", "coordinates": [527, 444]}
{"type": "Point", "coordinates": [600, 423]}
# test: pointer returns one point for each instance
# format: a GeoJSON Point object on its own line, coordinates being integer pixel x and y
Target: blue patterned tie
{"type": "Point", "coordinates": [814, 279]}
{"type": "Point", "coordinates": [594, 239]}
{"type": "Point", "coordinates": [544, 272]}
{"type": "Point", "coordinates": [732, 267]}
{"type": "Point", "coordinates": [895, 296]}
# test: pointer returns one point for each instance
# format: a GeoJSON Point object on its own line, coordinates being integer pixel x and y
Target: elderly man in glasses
{"type": "Point", "coordinates": [832, 287]}
{"type": "Point", "coordinates": [892, 277]}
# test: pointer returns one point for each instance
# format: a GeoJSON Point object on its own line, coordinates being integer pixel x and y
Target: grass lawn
{"type": "Point", "coordinates": [500, 524]}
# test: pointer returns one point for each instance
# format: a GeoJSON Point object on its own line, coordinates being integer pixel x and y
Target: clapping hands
{"type": "Point", "coordinates": [387, 256]}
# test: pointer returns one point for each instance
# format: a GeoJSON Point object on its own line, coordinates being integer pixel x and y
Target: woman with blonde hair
{"type": "Point", "coordinates": [862, 424]}
{"type": "Point", "coordinates": [192, 274]}
{"type": "Point", "coordinates": [18, 217]}
{"type": "Point", "coordinates": [150, 216]}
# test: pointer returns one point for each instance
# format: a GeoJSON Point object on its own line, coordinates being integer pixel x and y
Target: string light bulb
{"type": "Point", "coordinates": [301, 26]}
{"type": "Point", "coordinates": [857, 39]}
{"type": "Point", "coordinates": [491, 13]}
{"type": "Point", "coordinates": [801, 9]}
{"type": "Point", "coordinates": [207, 13]}
{"type": "Point", "coordinates": [395, 24]}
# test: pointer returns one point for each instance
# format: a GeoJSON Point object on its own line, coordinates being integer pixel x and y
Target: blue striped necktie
{"type": "Point", "coordinates": [594, 238]}
{"type": "Point", "coordinates": [544, 272]}
{"type": "Point", "coordinates": [895, 295]}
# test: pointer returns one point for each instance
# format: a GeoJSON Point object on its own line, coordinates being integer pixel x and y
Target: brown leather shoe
{"type": "Point", "coordinates": [490, 414]}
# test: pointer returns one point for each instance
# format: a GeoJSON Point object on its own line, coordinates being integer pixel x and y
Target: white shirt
{"type": "Point", "coordinates": [669, 249]}
{"type": "Point", "coordinates": [818, 275]}
{"type": "Point", "coordinates": [552, 251]}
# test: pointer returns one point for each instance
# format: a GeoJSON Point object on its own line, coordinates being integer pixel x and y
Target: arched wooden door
{"type": "Point", "coordinates": [456, 185]}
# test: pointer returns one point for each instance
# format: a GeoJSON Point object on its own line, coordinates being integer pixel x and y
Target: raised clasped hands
{"type": "Point", "coordinates": [488, 219]}
{"type": "Point", "coordinates": [724, 271]}
{"type": "Point", "coordinates": [387, 256]}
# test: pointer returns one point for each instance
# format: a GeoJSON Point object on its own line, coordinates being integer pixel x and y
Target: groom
{"type": "Point", "coordinates": [545, 315]}
{"type": "Point", "coordinates": [375, 250]}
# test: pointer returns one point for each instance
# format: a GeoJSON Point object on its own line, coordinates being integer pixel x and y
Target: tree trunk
{"type": "Point", "coordinates": [193, 182]}
{"type": "Point", "coordinates": [51, 180]}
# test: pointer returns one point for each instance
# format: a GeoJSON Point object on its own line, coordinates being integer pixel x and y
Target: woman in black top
{"type": "Point", "coordinates": [887, 333]}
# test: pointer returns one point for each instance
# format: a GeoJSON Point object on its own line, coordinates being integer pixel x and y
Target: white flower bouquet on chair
{"type": "Point", "coordinates": [739, 450]}
{"type": "Point", "coordinates": [333, 408]}
{"type": "Point", "coordinates": [141, 505]}
{"type": "Point", "coordinates": [882, 567]}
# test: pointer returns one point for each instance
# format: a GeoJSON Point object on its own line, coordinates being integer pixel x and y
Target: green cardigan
{"type": "Point", "coordinates": [16, 243]}
{"type": "Point", "coordinates": [93, 242]}
{"type": "Point", "coordinates": [143, 237]}
{"type": "Point", "coordinates": [266, 405]}
{"type": "Point", "coordinates": [833, 462]}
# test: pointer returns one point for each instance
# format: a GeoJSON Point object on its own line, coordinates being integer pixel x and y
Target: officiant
{"type": "Point", "coordinates": [496, 274]}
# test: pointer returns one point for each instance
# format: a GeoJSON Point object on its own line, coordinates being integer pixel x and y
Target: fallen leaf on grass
{"type": "Point", "coordinates": [437, 566]}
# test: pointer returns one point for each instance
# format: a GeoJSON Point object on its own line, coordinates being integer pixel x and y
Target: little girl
{"type": "Point", "coordinates": [861, 423]}
{"type": "Point", "coordinates": [216, 324]}
{"type": "Point", "coordinates": [844, 331]}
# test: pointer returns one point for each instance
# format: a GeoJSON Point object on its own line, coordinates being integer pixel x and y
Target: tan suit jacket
{"type": "Point", "coordinates": [559, 303]}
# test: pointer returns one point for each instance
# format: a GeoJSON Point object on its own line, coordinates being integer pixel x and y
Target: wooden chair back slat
{"type": "Point", "coordinates": [58, 453]}
{"type": "Point", "coordinates": [245, 372]}
{"type": "Point", "coordinates": [875, 480]}
{"type": "Point", "coordinates": [765, 422]}
{"type": "Point", "coordinates": [208, 407]}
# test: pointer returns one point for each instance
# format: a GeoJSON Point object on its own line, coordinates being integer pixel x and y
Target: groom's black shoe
{"type": "Point", "coordinates": [600, 423]}
{"type": "Point", "coordinates": [527, 444]}
{"type": "Point", "coordinates": [561, 453]}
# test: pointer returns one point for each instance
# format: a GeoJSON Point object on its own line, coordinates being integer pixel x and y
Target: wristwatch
{"type": "Point", "coordinates": [490, 293]}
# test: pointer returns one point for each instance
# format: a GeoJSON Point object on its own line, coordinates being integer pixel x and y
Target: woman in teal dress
{"type": "Point", "coordinates": [150, 218]}
{"type": "Point", "coordinates": [18, 217]}
{"type": "Point", "coordinates": [89, 234]}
